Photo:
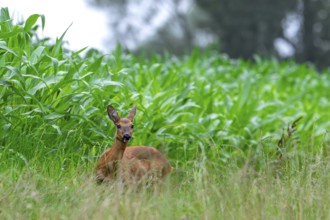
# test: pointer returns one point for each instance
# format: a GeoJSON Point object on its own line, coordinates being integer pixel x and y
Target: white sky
{"type": "Point", "coordinates": [89, 25]}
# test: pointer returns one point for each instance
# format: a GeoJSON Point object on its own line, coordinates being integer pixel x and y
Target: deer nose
{"type": "Point", "coordinates": [126, 137]}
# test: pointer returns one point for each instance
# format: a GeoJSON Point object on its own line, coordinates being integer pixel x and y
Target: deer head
{"type": "Point", "coordinates": [124, 125]}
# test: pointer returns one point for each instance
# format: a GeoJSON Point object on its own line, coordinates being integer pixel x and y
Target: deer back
{"type": "Point", "coordinates": [144, 162]}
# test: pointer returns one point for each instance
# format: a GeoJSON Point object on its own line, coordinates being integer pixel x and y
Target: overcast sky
{"type": "Point", "coordinates": [89, 25]}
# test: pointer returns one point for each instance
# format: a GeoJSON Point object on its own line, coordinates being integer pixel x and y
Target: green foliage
{"type": "Point", "coordinates": [53, 101]}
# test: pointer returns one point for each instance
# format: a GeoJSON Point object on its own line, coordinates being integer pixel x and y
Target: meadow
{"type": "Point", "coordinates": [218, 120]}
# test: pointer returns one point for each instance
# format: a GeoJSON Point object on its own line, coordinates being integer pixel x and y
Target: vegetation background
{"type": "Point", "coordinates": [217, 119]}
{"type": "Point", "coordinates": [295, 29]}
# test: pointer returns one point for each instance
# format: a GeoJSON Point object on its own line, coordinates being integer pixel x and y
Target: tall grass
{"type": "Point", "coordinates": [202, 194]}
{"type": "Point", "coordinates": [217, 119]}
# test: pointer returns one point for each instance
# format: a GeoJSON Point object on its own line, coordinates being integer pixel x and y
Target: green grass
{"type": "Point", "coordinates": [218, 120]}
{"type": "Point", "coordinates": [201, 194]}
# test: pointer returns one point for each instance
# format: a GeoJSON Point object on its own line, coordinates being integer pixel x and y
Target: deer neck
{"type": "Point", "coordinates": [108, 164]}
{"type": "Point", "coordinates": [117, 149]}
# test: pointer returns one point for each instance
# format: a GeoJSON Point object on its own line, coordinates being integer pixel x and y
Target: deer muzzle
{"type": "Point", "coordinates": [126, 137]}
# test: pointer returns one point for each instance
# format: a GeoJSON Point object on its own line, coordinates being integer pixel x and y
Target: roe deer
{"type": "Point", "coordinates": [130, 164]}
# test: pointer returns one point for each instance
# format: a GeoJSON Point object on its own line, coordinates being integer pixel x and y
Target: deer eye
{"type": "Point", "coordinates": [118, 126]}
{"type": "Point", "coordinates": [132, 126]}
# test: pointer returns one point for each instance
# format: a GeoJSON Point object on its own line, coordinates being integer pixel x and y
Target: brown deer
{"type": "Point", "coordinates": [130, 164]}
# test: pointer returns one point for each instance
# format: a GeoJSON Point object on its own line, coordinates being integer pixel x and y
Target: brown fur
{"type": "Point", "coordinates": [130, 164]}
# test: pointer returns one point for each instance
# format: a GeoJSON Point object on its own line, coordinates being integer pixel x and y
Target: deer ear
{"type": "Point", "coordinates": [113, 115]}
{"type": "Point", "coordinates": [132, 113]}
